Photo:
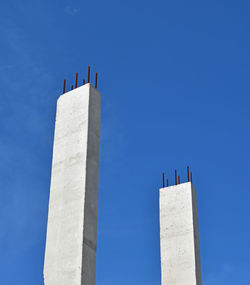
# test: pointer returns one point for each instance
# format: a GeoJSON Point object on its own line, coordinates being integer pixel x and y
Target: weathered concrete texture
{"type": "Point", "coordinates": [70, 255]}
{"type": "Point", "coordinates": [180, 251]}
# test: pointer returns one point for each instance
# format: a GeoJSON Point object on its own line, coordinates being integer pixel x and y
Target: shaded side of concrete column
{"type": "Point", "coordinates": [91, 194]}
{"type": "Point", "coordinates": [196, 237]}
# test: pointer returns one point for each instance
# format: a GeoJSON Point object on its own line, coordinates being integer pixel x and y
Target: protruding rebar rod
{"type": "Point", "coordinates": [163, 180]}
{"type": "Point", "coordinates": [167, 182]}
{"type": "Point", "coordinates": [64, 86]}
{"type": "Point", "coordinates": [179, 181]}
{"type": "Point", "coordinates": [96, 80]}
{"type": "Point", "coordinates": [188, 173]}
{"type": "Point", "coordinates": [88, 74]}
{"type": "Point", "coordinates": [76, 79]}
{"type": "Point", "coordinates": [83, 82]}
{"type": "Point", "coordinates": [72, 87]}
{"type": "Point", "coordinates": [175, 173]}
{"type": "Point", "coordinates": [191, 177]}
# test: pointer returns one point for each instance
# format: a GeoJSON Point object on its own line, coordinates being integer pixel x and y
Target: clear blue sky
{"type": "Point", "coordinates": [174, 78]}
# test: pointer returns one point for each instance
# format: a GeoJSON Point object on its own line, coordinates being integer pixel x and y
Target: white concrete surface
{"type": "Point", "coordinates": [70, 255]}
{"type": "Point", "coordinates": [179, 237]}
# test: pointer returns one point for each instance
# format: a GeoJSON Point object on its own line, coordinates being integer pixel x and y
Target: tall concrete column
{"type": "Point", "coordinates": [179, 237]}
{"type": "Point", "coordinates": [70, 255]}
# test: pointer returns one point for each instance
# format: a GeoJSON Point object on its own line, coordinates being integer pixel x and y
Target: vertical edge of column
{"type": "Point", "coordinates": [161, 192]}
{"type": "Point", "coordinates": [91, 193]}
{"type": "Point", "coordinates": [50, 194]}
{"type": "Point", "coordinates": [196, 236]}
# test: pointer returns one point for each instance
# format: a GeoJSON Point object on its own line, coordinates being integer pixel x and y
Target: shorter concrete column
{"type": "Point", "coordinates": [179, 237]}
